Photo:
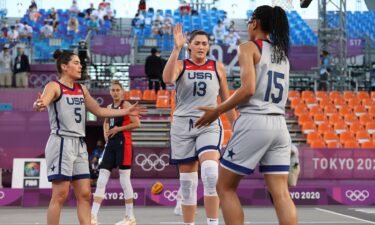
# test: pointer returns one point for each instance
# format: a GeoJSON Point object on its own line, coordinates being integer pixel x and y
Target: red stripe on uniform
{"type": "Point", "coordinates": [210, 65]}
{"type": "Point", "coordinates": [128, 152]}
{"type": "Point", "coordinates": [260, 43]}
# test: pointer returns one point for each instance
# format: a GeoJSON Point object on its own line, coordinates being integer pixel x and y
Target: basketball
{"type": "Point", "coordinates": [157, 188]}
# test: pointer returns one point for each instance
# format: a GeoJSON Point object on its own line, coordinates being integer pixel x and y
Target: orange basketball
{"type": "Point", "coordinates": [157, 188]}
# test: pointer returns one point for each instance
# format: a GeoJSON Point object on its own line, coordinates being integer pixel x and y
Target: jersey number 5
{"type": "Point", "coordinates": [273, 79]}
{"type": "Point", "coordinates": [77, 112]}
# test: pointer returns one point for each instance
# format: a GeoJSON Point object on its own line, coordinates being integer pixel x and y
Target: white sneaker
{"type": "Point", "coordinates": [178, 210]}
{"type": "Point", "coordinates": [94, 220]}
{"type": "Point", "coordinates": [127, 221]}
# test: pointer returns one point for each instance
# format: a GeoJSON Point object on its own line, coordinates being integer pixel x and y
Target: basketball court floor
{"type": "Point", "coordinates": [154, 215]}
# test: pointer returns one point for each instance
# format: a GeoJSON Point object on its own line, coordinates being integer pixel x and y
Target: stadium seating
{"type": "Point", "coordinates": [344, 118]}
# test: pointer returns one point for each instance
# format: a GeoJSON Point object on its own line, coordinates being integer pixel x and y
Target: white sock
{"type": "Point", "coordinates": [188, 223]}
{"type": "Point", "coordinates": [211, 221]}
{"type": "Point", "coordinates": [95, 209]}
{"type": "Point", "coordinates": [129, 210]}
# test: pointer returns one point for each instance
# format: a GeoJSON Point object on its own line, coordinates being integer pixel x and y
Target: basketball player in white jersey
{"type": "Point", "coordinates": [66, 154]}
{"type": "Point", "coordinates": [260, 134]}
{"type": "Point", "coordinates": [198, 83]}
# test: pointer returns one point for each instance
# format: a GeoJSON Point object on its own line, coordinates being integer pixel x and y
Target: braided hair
{"type": "Point", "coordinates": [273, 20]}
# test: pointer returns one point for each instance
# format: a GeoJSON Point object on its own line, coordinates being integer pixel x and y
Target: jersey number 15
{"type": "Point", "coordinates": [273, 80]}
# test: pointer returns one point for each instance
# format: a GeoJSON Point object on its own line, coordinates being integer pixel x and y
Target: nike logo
{"type": "Point", "coordinates": [188, 67]}
{"type": "Point", "coordinates": [65, 90]}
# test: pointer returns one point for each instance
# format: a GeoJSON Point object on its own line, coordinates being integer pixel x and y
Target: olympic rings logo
{"type": "Point", "coordinates": [152, 161]}
{"type": "Point", "coordinates": [2, 195]}
{"type": "Point", "coordinates": [357, 195]}
{"type": "Point", "coordinates": [171, 195]}
{"type": "Point", "coordinates": [40, 80]}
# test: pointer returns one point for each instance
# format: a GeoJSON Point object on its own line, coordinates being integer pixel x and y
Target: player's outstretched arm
{"type": "Point", "coordinates": [94, 108]}
{"type": "Point", "coordinates": [50, 93]}
{"type": "Point", "coordinates": [173, 67]}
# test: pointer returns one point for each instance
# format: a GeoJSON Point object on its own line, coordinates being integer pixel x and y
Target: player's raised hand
{"type": "Point", "coordinates": [210, 115]}
{"type": "Point", "coordinates": [38, 105]}
{"type": "Point", "coordinates": [179, 37]}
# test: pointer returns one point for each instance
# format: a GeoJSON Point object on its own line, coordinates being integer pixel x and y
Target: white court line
{"type": "Point", "coordinates": [339, 214]}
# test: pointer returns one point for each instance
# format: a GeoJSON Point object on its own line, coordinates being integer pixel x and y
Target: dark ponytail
{"type": "Point", "coordinates": [273, 20]}
{"type": "Point", "coordinates": [62, 57]}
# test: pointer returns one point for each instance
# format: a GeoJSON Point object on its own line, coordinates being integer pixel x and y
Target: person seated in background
{"type": "Point", "coordinates": [110, 13]}
{"type": "Point", "coordinates": [46, 31]}
{"type": "Point", "coordinates": [13, 34]}
{"type": "Point", "coordinates": [53, 17]}
{"type": "Point", "coordinates": [156, 28]}
{"type": "Point", "coordinates": [142, 6]}
{"type": "Point", "coordinates": [93, 24]}
{"type": "Point", "coordinates": [219, 32]}
{"type": "Point", "coordinates": [232, 38]}
{"type": "Point", "coordinates": [73, 25]}
{"type": "Point", "coordinates": [185, 8]}
{"type": "Point", "coordinates": [158, 16]}
{"type": "Point", "coordinates": [26, 32]}
{"type": "Point", "coordinates": [103, 4]}
{"type": "Point", "coordinates": [89, 11]}
{"type": "Point", "coordinates": [5, 30]}
{"type": "Point", "coordinates": [168, 24]}
{"type": "Point", "coordinates": [33, 6]}
{"type": "Point", "coordinates": [74, 9]}
{"type": "Point", "coordinates": [19, 26]}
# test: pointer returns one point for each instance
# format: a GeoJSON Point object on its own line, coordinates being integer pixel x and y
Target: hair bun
{"type": "Point", "coordinates": [57, 53]}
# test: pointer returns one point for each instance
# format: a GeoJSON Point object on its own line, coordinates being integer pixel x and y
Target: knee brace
{"type": "Point", "coordinates": [189, 184]}
{"type": "Point", "coordinates": [209, 175]}
{"type": "Point", "coordinates": [126, 184]}
{"type": "Point", "coordinates": [102, 182]}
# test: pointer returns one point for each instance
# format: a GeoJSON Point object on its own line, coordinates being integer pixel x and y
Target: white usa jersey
{"type": "Point", "coordinates": [196, 86]}
{"type": "Point", "coordinates": [272, 84]}
{"type": "Point", "coordinates": [67, 113]}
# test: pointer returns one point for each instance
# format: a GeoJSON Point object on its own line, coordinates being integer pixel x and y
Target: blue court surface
{"type": "Point", "coordinates": [315, 215]}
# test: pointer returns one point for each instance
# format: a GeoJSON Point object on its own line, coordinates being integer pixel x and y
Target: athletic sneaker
{"type": "Point", "coordinates": [178, 210]}
{"type": "Point", "coordinates": [94, 220]}
{"type": "Point", "coordinates": [127, 221]}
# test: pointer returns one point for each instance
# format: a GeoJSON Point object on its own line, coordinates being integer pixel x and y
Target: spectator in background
{"type": "Point", "coordinates": [13, 34]}
{"type": "Point", "coordinates": [137, 22]}
{"type": "Point", "coordinates": [27, 32]}
{"type": "Point", "coordinates": [53, 18]}
{"type": "Point", "coordinates": [73, 25]}
{"type": "Point", "coordinates": [325, 69]}
{"type": "Point", "coordinates": [142, 6]}
{"type": "Point", "coordinates": [93, 24]}
{"type": "Point", "coordinates": [5, 30]}
{"type": "Point", "coordinates": [185, 8]}
{"type": "Point", "coordinates": [102, 12]}
{"type": "Point", "coordinates": [74, 9]}
{"type": "Point", "coordinates": [154, 67]}
{"type": "Point", "coordinates": [109, 11]}
{"type": "Point", "coordinates": [219, 32]}
{"type": "Point", "coordinates": [21, 67]}
{"type": "Point", "coordinates": [5, 67]}
{"type": "Point", "coordinates": [89, 10]}
{"type": "Point", "coordinates": [19, 26]}
{"type": "Point", "coordinates": [103, 4]}
{"type": "Point", "coordinates": [168, 24]}
{"type": "Point", "coordinates": [98, 150]}
{"type": "Point", "coordinates": [33, 7]}
{"type": "Point", "coordinates": [226, 22]}
{"type": "Point", "coordinates": [158, 16]}
{"type": "Point", "coordinates": [157, 28]}
{"type": "Point", "coordinates": [232, 38]}
{"type": "Point", "coordinates": [46, 31]}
